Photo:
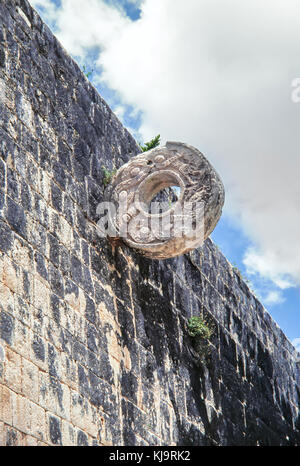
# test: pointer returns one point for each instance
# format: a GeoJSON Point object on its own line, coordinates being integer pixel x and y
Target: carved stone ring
{"type": "Point", "coordinates": [184, 224]}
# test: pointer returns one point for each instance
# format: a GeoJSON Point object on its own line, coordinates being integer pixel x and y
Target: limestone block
{"type": "Point", "coordinates": [12, 371]}
{"type": "Point", "coordinates": [6, 397]}
{"type": "Point", "coordinates": [30, 381]}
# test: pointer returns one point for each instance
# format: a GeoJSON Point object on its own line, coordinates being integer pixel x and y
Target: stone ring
{"type": "Point", "coordinates": [182, 225]}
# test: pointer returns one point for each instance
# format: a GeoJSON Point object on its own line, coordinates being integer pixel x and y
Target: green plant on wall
{"type": "Point", "coordinates": [107, 175]}
{"type": "Point", "coordinates": [151, 144]}
{"type": "Point", "coordinates": [201, 331]}
{"type": "Point", "coordinates": [87, 73]}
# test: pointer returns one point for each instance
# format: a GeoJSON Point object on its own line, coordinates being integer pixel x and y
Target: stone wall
{"type": "Point", "coordinates": [94, 347]}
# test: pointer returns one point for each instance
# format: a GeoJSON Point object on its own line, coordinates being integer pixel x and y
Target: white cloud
{"type": "Point", "coordinates": [265, 264]}
{"type": "Point", "coordinates": [296, 343]}
{"type": "Point", "coordinates": [216, 74]}
{"type": "Point", "coordinates": [85, 24]}
{"type": "Point", "coordinates": [273, 297]}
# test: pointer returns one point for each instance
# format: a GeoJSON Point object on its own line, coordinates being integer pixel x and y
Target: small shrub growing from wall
{"type": "Point", "coordinates": [107, 175]}
{"type": "Point", "coordinates": [201, 331]}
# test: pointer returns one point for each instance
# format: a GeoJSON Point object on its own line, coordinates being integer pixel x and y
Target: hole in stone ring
{"type": "Point", "coordinates": [160, 192]}
{"type": "Point", "coordinates": [164, 200]}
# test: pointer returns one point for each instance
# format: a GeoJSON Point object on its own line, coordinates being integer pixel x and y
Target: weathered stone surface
{"type": "Point", "coordinates": [96, 349]}
{"type": "Point", "coordinates": [184, 225]}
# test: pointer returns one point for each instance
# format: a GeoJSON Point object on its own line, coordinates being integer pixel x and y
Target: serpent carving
{"type": "Point", "coordinates": [186, 223]}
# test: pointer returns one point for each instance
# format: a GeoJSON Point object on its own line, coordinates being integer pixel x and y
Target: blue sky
{"type": "Point", "coordinates": [216, 74]}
